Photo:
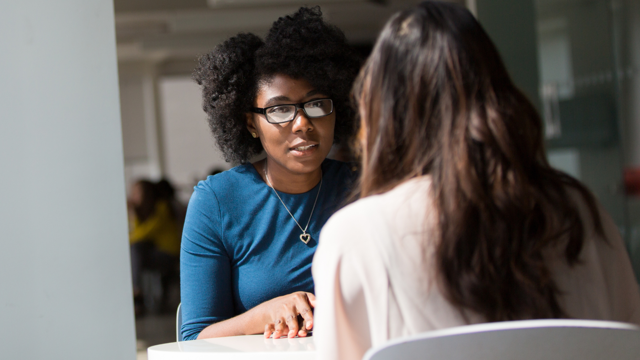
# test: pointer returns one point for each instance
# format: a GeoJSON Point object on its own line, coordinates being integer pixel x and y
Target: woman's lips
{"type": "Point", "coordinates": [304, 150]}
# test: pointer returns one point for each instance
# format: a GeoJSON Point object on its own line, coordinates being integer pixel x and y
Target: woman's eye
{"type": "Point", "coordinates": [279, 110]}
{"type": "Point", "coordinates": [315, 104]}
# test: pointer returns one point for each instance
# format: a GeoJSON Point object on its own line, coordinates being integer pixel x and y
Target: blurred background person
{"type": "Point", "coordinates": [154, 236]}
{"type": "Point", "coordinates": [167, 193]}
{"type": "Point", "coordinates": [461, 219]}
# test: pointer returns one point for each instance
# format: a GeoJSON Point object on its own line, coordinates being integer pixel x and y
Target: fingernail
{"type": "Point", "coordinates": [292, 333]}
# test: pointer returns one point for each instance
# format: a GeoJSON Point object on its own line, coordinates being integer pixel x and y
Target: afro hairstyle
{"type": "Point", "coordinates": [301, 46]}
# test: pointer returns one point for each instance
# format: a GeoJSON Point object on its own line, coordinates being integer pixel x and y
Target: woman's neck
{"type": "Point", "coordinates": [286, 181]}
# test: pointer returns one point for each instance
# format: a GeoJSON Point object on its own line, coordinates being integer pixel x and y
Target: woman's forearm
{"type": "Point", "coordinates": [248, 323]}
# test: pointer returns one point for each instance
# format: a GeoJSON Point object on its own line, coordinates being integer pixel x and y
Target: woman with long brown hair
{"type": "Point", "coordinates": [460, 219]}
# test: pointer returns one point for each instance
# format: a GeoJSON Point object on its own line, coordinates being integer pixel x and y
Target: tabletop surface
{"type": "Point", "coordinates": [236, 347]}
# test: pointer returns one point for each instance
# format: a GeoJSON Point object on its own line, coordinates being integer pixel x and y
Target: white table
{"type": "Point", "coordinates": [236, 347]}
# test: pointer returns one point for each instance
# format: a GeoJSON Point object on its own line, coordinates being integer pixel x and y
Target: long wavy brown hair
{"type": "Point", "coordinates": [435, 99]}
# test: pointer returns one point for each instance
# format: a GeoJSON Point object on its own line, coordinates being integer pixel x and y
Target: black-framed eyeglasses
{"type": "Point", "coordinates": [278, 114]}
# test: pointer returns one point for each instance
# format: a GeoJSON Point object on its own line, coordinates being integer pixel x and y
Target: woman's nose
{"type": "Point", "coordinates": [301, 122]}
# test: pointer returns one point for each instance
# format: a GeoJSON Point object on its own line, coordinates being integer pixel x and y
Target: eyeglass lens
{"type": "Point", "coordinates": [313, 109]}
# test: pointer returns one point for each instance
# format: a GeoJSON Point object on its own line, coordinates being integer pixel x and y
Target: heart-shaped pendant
{"type": "Point", "coordinates": [305, 238]}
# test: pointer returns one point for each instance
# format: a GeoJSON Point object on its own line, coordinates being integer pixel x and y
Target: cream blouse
{"type": "Point", "coordinates": [374, 280]}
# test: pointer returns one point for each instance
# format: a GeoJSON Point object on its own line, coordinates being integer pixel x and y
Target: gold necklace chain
{"type": "Point", "coordinates": [304, 237]}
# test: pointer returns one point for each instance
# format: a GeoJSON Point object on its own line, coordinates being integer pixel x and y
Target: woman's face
{"type": "Point", "coordinates": [298, 146]}
{"type": "Point", "coordinates": [137, 194]}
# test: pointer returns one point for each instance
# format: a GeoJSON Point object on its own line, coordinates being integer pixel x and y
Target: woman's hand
{"type": "Point", "coordinates": [278, 316]}
{"type": "Point", "coordinates": [289, 315]}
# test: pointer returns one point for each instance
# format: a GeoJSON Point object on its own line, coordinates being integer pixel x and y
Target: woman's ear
{"type": "Point", "coordinates": [251, 126]}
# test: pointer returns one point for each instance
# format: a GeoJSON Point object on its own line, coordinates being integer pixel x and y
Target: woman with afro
{"type": "Point", "coordinates": [251, 232]}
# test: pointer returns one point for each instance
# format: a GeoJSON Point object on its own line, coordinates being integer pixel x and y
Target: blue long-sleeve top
{"type": "Point", "coordinates": [240, 247]}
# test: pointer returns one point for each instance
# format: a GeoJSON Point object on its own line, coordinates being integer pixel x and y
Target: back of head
{"type": "Point", "coordinates": [435, 82]}
{"type": "Point", "coordinates": [165, 190]}
{"type": "Point", "coordinates": [148, 197]}
{"type": "Point", "coordinates": [435, 99]}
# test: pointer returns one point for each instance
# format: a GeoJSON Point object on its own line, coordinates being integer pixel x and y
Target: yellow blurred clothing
{"type": "Point", "coordinates": [161, 229]}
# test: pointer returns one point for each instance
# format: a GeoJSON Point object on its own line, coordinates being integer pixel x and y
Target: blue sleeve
{"type": "Point", "coordinates": [205, 267]}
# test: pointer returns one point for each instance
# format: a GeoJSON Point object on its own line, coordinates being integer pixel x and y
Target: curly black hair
{"type": "Point", "coordinates": [301, 46]}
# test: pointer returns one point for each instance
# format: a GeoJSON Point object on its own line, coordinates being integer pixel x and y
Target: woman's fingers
{"type": "Point", "coordinates": [280, 328]}
{"type": "Point", "coordinates": [268, 330]}
{"type": "Point", "coordinates": [293, 316]}
{"type": "Point", "coordinates": [312, 299]}
{"type": "Point", "coordinates": [304, 309]}
{"type": "Point", "coordinates": [292, 324]}
{"type": "Point", "coordinates": [302, 326]}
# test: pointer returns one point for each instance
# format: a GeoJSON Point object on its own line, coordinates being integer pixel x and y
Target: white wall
{"type": "Point", "coordinates": [189, 148]}
{"type": "Point", "coordinates": [139, 109]}
{"type": "Point", "coordinates": [133, 129]}
{"type": "Point", "coordinates": [165, 130]}
{"type": "Point", "coordinates": [64, 266]}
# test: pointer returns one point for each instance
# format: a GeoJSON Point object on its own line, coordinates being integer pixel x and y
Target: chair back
{"type": "Point", "coordinates": [523, 340]}
{"type": "Point", "coordinates": [179, 323]}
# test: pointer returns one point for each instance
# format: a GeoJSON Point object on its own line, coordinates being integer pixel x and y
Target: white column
{"type": "Point", "coordinates": [65, 290]}
{"type": "Point", "coordinates": [152, 121]}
